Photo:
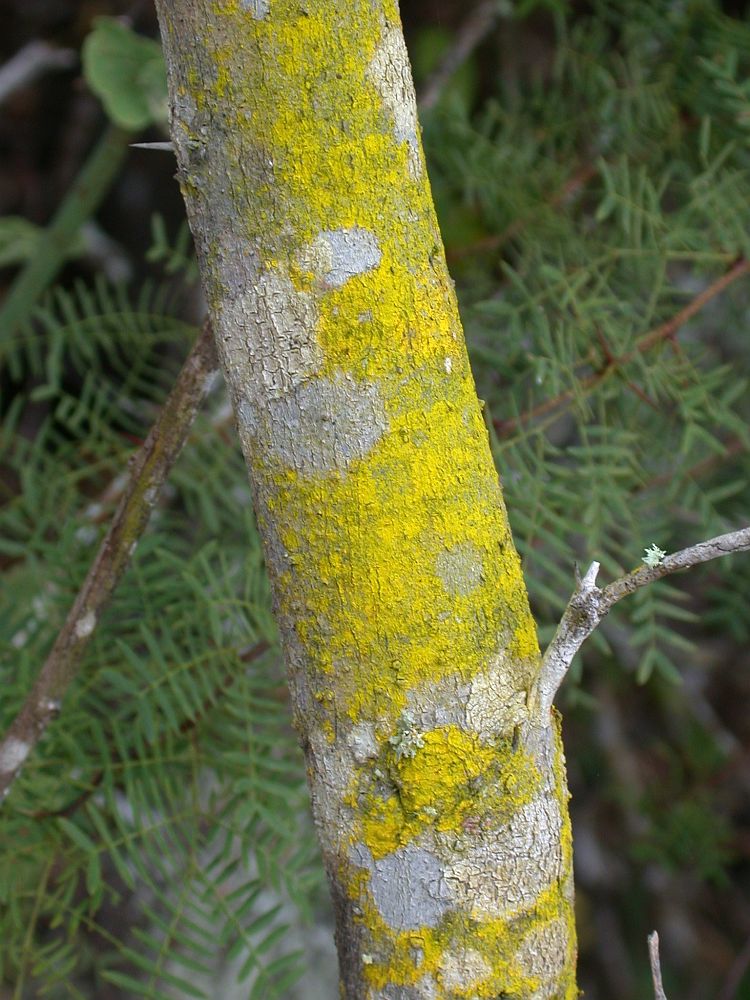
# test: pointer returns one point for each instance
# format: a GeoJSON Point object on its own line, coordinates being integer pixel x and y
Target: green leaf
{"type": "Point", "coordinates": [127, 73]}
{"type": "Point", "coordinates": [77, 835]}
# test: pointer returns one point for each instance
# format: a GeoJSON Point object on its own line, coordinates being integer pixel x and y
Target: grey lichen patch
{"type": "Point", "coordinates": [463, 970]}
{"type": "Point", "coordinates": [503, 871]}
{"type": "Point", "coordinates": [257, 9]}
{"type": "Point", "coordinates": [275, 323]}
{"type": "Point", "coordinates": [326, 424]}
{"type": "Point", "coordinates": [543, 955]}
{"type": "Point", "coordinates": [13, 754]}
{"type": "Point", "coordinates": [460, 568]}
{"type": "Point", "coordinates": [407, 886]}
{"type": "Point", "coordinates": [336, 255]}
{"type": "Point", "coordinates": [391, 75]}
{"type": "Point", "coordinates": [494, 702]}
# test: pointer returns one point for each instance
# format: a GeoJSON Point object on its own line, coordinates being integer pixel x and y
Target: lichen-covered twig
{"type": "Point", "coordinates": [653, 954]}
{"type": "Point", "coordinates": [589, 603]}
{"type": "Point", "coordinates": [149, 469]}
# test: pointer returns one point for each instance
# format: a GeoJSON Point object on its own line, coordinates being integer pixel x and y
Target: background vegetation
{"type": "Point", "coordinates": [590, 164]}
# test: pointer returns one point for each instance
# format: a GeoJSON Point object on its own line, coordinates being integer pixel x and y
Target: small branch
{"type": "Point", "coordinates": [653, 954]}
{"type": "Point", "coordinates": [31, 62]}
{"type": "Point", "coordinates": [149, 469]}
{"type": "Point", "coordinates": [589, 604]}
{"type": "Point", "coordinates": [580, 618]}
{"type": "Point", "coordinates": [470, 35]}
{"type": "Point", "coordinates": [732, 446]}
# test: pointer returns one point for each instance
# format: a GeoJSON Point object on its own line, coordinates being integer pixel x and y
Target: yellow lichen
{"type": "Point", "coordinates": [313, 148]}
{"type": "Point", "coordinates": [448, 780]}
{"type": "Point", "coordinates": [403, 958]}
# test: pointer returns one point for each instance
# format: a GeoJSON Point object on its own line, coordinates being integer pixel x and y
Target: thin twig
{"type": "Point", "coordinates": [664, 331]}
{"type": "Point", "coordinates": [732, 446]}
{"type": "Point", "coordinates": [149, 469]}
{"type": "Point", "coordinates": [589, 604]}
{"type": "Point", "coordinates": [470, 35]}
{"type": "Point", "coordinates": [653, 954]}
{"type": "Point", "coordinates": [31, 62]}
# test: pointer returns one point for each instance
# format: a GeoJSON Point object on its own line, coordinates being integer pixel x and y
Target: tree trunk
{"type": "Point", "coordinates": [437, 779]}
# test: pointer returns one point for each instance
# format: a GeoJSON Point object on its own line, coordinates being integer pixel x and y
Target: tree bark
{"type": "Point", "coordinates": [437, 781]}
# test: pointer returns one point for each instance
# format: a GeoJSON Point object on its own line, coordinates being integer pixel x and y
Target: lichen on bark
{"type": "Point", "coordinates": [439, 797]}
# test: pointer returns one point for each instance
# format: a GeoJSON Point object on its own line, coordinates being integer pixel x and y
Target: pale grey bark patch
{"type": "Point", "coordinates": [436, 704]}
{"type": "Point", "coordinates": [407, 886]}
{"type": "Point", "coordinates": [247, 417]}
{"type": "Point", "coordinates": [257, 9]}
{"type": "Point", "coordinates": [490, 704]}
{"type": "Point", "coordinates": [543, 955]}
{"type": "Point", "coordinates": [424, 989]}
{"type": "Point", "coordinates": [333, 769]}
{"type": "Point", "coordinates": [277, 323]}
{"type": "Point", "coordinates": [391, 75]}
{"type": "Point", "coordinates": [464, 969]}
{"type": "Point", "coordinates": [494, 703]}
{"type": "Point", "coordinates": [13, 755]}
{"type": "Point", "coordinates": [460, 568]}
{"type": "Point", "coordinates": [362, 742]}
{"type": "Point", "coordinates": [326, 424]}
{"type": "Point", "coordinates": [503, 871]}
{"type": "Point", "coordinates": [337, 255]}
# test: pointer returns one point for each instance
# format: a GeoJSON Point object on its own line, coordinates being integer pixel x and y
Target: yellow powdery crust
{"type": "Point", "coordinates": [365, 542]}
{"type": "Point", "coordinates": [449, 780]}
{"type": "Point", "coordinates": [397, 568]}
{"type": "Point", "coordinates": [492, 949]}
{"type": "Point", "coordinates": [445, 779]}
{"type": "Point", "coordinates": [364, 583]}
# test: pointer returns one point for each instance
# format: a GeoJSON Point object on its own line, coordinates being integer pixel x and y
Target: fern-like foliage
{"type": "Point", "coordinates": [161, 829]}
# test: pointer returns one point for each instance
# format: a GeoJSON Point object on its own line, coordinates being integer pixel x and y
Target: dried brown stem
{"type": "Point", "coordinates": [561, 196]}
{"type": "Point", "coordinates": [149, 469]}
{"type": "Point", "coordinates": [733, 446]}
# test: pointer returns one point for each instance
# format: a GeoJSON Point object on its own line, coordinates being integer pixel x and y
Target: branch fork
{"type": "Point", "coordinates": [590, 603]}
